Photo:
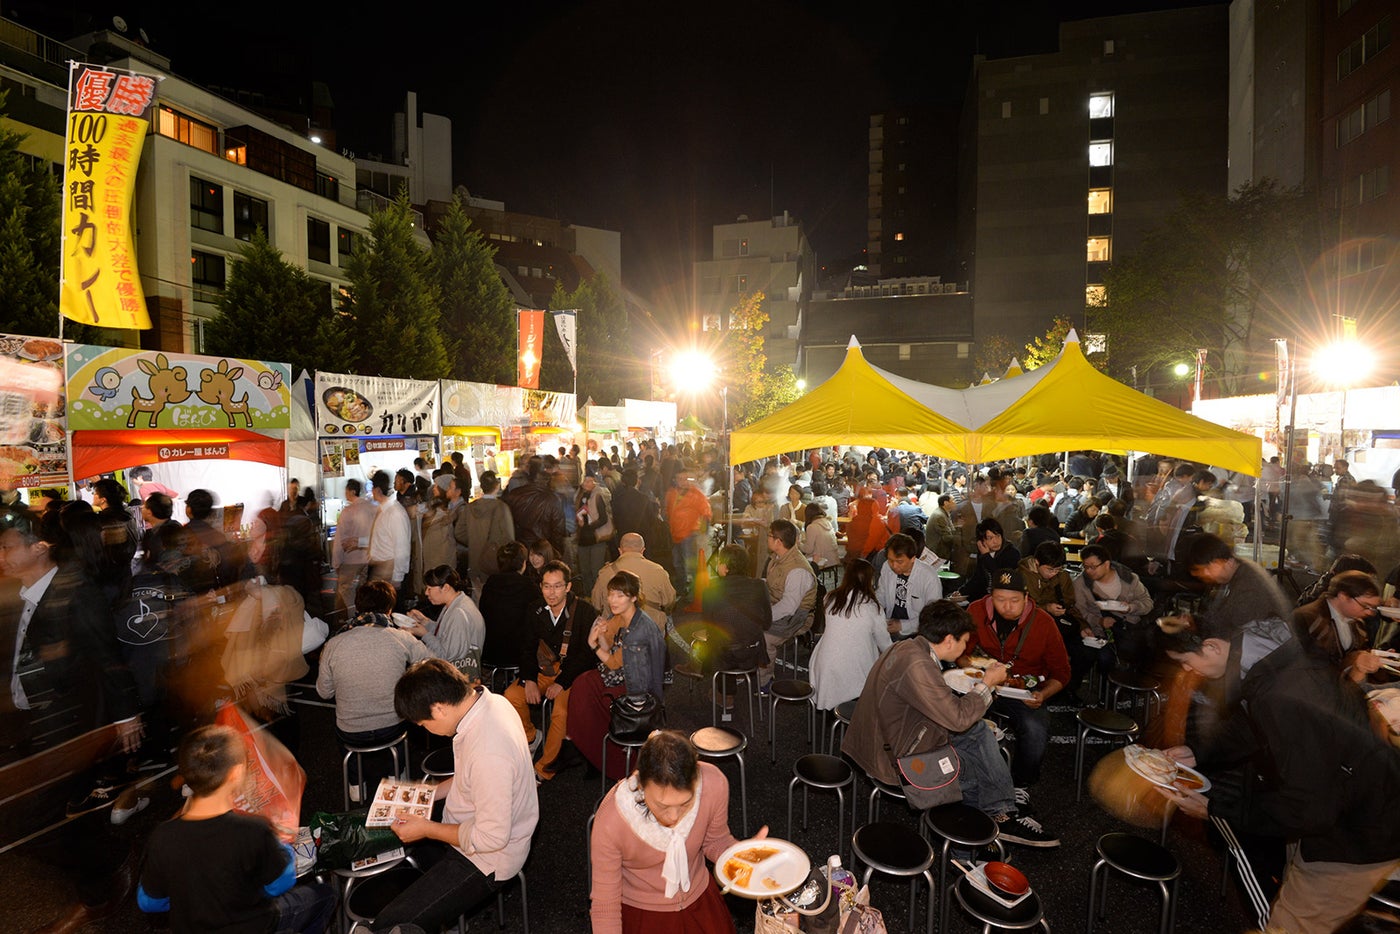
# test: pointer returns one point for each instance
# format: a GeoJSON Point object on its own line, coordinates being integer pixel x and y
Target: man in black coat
{"type": "Point", "coordinates": [506, 598]}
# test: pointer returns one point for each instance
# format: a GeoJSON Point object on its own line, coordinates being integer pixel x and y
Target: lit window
{"type": "Point", "coordinates": [187, 130]}
{"type": "Point", "coordinates": [1100, 105]}
{"type": "Point", "coordinates": [1095, 343]}
{"type": "Point", "coordinates": [1108, 47]}
{"type": "Point", "coordinates": [905, 351]}
{"type": "Point", "coordinates": [1095, 295]}
{"type": "Point", "coordinates": [1044, 106]}
{"type": "Point", "coordinates": [1100, 200]}
{"type": "Point", "coordinates": [206, 205]}
{"type": "Point", "coordinates": [744, 247]}
{"type": "Point", "coordinates": [237, 154]}
{"type": "Point", "coordinates": [1101, 153]}
{"type": "Point", "coordinates": [1100, 250]}
{"type": "Point", "coordinates": [899, 236]}
{"type": "Point", "coordinates": [1005, 110]}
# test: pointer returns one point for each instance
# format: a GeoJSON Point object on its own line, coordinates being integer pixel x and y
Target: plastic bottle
{"type": "Point", "coordinates": [843, 884]}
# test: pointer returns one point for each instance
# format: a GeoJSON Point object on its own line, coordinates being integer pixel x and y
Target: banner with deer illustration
{"type": "Point", "coordinates": [119, 388]}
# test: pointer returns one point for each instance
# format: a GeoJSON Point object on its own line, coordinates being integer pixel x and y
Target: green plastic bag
{"type": "Point", "coordinates": [343, 838]}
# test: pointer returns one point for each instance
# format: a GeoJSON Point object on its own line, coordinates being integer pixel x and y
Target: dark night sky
{"type": "Point", "coordinates": [657, 120]}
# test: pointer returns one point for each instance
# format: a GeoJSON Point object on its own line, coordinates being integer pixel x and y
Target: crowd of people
{"type": "Point", "coordinates": [507, 615]}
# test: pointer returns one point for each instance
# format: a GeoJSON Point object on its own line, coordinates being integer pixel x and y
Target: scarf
{"type": "Point", "coordinates": [675, 870]}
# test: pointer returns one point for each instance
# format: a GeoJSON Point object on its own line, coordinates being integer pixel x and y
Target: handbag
{"type": "Point", "coordinates": [931, 778]}
{"type": "Point", "coordinates": [634, 716]}
{"type": "Point", "coordinates": [547, 659]}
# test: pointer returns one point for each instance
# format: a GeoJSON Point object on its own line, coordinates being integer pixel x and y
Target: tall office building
{"type": "Point", "coordinates": [1069, 158]}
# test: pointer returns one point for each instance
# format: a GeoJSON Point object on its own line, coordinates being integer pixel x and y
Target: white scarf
{"type": "Point", "coordinates": [675, 870]}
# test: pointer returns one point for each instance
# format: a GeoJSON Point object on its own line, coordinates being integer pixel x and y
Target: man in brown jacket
{"type": "Point", "coordinates": [906, 707]}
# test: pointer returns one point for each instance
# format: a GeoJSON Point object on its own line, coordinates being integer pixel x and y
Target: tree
{"type": "Point", "coordinates": [1214, 273]}
{"type": "Point", "coordinates": [993, 356]}
{"type": "Point", "coordinates": [478, 314]}
{"type": "Point", "coordinates": [273, 310]}
{"type": "Point", "coordinates": [393, 301]}
{"type": "Point", "coordinates": [1042, 350]}
{"type": "Point", "coordinates": [756, 387]}
{"type": "Point", "coordinates": [29, 241]}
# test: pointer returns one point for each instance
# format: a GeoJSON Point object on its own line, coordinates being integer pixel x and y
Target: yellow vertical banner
{"type": "Point", "coordinates": [108, 117]}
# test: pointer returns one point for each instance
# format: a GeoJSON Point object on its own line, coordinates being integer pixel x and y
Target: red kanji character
{"type": "Point", "coordinates": [128, 126]}
{"type": "Point", "coordinates": [121, 153]}
{"type": "Point", "coordinates": [132, 95]}
{"type": "Point", "coordinates": [113, 211]}
{"type": "Point", "coordinates": [130, 304]}
{"type": "Point", "coordinates": [91, 91]}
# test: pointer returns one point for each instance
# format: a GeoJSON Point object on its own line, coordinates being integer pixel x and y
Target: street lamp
{"type": "Point", "coordinates": [1342, 365]}
{"type": "Point", "coordinates": [692, 372]}
{"type": "Point", "coordinates": [1181, 369]}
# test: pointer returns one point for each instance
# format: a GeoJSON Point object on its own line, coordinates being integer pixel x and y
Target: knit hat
{"type": "Point", "coordinates": [1009, 579]}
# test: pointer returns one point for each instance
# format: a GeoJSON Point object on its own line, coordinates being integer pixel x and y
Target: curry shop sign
{"type": "Point", "coordinates": [121, 388]}
{"type": "Point", "coordinates": [182, 452]}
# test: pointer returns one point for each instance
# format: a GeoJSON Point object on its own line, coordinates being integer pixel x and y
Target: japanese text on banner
{"type": "Point", "coordinates": [108, 118]}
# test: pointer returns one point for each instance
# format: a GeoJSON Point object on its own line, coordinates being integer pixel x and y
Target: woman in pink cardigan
{"type": "Point", "coordinates": [651, 838]}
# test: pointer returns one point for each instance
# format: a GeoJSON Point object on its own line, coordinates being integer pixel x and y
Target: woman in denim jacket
{"type": "Point", "coordinates": [631, 653]}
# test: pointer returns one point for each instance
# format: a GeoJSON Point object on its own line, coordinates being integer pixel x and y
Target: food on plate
{"type": "Point", "coordinates": [738, 872]}
{"type": "Point", "coordinates": [756, 854]}
{"type": "Point", "coordinates": [39, 348]}
{"type": "Point", "coordinates": [347, 404]}
{"type": "Point", "coordinates": [974, 673]}
{"type": "Point", "coordinates": [981, 661]}
{"type": "Point", "coordinates": [1188, 782]}
{"type": "Point", "coordinates": [1021, 682]}
{"type": "Point", "coordinates": [1152, 764]}
{"type": "Point", "coordinates": [770, 883]}
{"type": "Point", "coordinates": [17, 461]}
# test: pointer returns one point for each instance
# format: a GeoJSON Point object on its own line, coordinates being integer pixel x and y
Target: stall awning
{"type": "Point", "coordinates": [99, 452]}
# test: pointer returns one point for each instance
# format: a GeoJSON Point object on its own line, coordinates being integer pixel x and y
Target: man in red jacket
{"type": "Point", "coordinates": [688, 511]}
{"type": "Point", "coordinates": [1013, 630]}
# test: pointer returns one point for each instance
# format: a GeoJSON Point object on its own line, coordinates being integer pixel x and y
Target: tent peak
{"type": "Point", "coordinates": [1072, 337]}
{"type": "Point", "coordinates": [853, 344]}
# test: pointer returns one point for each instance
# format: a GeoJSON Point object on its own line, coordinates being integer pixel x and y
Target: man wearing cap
{"type": "Point", "coordinates": [1112, 482]}
{"type": "Point", "coordinates": [1013, 630]}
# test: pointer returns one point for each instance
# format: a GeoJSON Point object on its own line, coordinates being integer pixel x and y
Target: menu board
{"type": "Point", "coordinates": [33, 439]}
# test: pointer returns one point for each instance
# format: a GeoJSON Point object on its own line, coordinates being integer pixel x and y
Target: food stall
{"type": "Point", "coordinates": [606, 425]}
{"type": "Point", "coordinates": [649, 420]}
{"type": "Point", "coordinates": [197, 422]}
{"type": "Point", "coordinates": [369, 423]}
{"type": "Point", "coordinates": [473, 418]}
{"type": "Point", "coordinates": [545, 422]}
{"type": "Point", "coordinates": [33, 438]}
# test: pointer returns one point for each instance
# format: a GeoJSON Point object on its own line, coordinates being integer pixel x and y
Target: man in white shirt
{"type": "Point", "coordinates": [906, 586]}
{"type": "Point", "coordinates": [350, 552]}
{"type": "Point", "coordinates": [389, 541]}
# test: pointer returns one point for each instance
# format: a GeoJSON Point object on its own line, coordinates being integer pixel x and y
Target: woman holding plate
{"type": "Point", "coordinates": [653, 833]}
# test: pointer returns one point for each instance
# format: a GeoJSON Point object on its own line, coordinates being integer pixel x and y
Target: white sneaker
{"type": "Point", "coordinates": [537, 742]}
{"type": "Point", "coordinates": [126, 806]}
{"type": "Point", "coordinates": [1023, 797]}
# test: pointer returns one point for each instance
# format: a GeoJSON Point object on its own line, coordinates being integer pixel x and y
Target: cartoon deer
{"type": "Point", "coordinates": [167, 387]}
{"type": "Point", "coordinates": [216, 388]}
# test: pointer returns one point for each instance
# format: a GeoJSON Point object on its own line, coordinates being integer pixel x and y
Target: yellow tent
{"type": "Point", "coordinates": [1071, 406]}
{"type": "Point", "coordinates": [856, 406]}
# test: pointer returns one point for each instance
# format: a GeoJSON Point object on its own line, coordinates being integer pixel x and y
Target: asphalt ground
{"type": "Point", "coordinates": [33, 890]}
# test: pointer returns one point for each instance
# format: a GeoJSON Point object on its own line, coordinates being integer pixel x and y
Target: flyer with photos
{"type": "Point", "coordinates": [396, 798]}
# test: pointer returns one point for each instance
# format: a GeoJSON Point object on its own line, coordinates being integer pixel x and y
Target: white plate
{"type": "Point", "coordinates": [1113, 606]}
{"type": "Point", "coordinates": [959, 680]}
{"type": "Point", "coordinates": [1180, 769]}
{"type": "Point", "coordinates": [1389, 612]}
{"type": "Point", "coordinates": [401, 621]}
{"type": "Point", "coordinates": [787, 868]}
{"type": "Point", "coordinates": [1094, 643]}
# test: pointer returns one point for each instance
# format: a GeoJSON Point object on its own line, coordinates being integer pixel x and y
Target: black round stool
{"type": "Point", "coordinates": [369, 891]}
{"type": "Point", "coordinates": [717, 742]}
{"type": "Point", "coordinates": [1138, 687]}
{"type": "Point", "coordinates": [965, 826]}
{"type": "Point", "coordinates": [895, 850]}
{"type": "Point", "coordinates": [879, 789]}
{"type": "Point", "coordinates": [439, 763]}
{"type": "Point", "coordinates": [1140, 859]}
{"type": "Point", "coordinates": [842, 714]}
{"type": "Point", "coordinates": [1111, 723]}
{"type": "Point", "coordinates": [790, 691]}
{"type": "Point", "coordinates": [815, 770]}
{"type": "Point", "coordinates": [996, 916]}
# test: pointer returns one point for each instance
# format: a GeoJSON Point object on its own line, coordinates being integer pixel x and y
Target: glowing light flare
{"type": "Point", "coordinates": [801, 385]}
{"type": "Point", "coordinates": [1344, 363]}
{"type": "Point", "coordinates": [693, 371]}
{"type": "Point", "coordinates": [1181, 369]}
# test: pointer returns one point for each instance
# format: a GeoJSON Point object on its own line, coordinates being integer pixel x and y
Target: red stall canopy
{"type": "Point", "coordinates": [99, 452]}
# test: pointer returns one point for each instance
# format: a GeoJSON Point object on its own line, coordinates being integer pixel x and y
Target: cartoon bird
{"type": "Point", "coordinates": [105, 383]}
{"type": "Point", "coordinates": [269, 379]}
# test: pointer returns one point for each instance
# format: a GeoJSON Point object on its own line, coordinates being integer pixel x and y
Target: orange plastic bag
{"type": "Point", "coordinates": [275, 781]}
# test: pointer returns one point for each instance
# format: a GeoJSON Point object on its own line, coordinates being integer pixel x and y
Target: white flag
{"type": "Point", "coordinates": [567, 323]}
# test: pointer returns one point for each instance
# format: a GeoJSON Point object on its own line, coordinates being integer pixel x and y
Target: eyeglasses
{"type": "Point", "coordinates": [1092, 567]}
{"type": "Point", "coordinates": [1367, 605]}
{"type": "Point", "coordinates": [559, 586]}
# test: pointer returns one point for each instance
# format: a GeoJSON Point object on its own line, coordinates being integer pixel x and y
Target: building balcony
{"type": "Point", "coordinates": [370, 202]}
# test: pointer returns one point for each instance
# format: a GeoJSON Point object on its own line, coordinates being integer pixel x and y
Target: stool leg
{"type": "Point", "coordinates": [603, 779]}
{"type": "Point", "coordinates": [943, 887]}
{"type": "Point", "coordinates": [841, 819]}
{"type": "Point", "coordinates": [1093, 894]}
{"type": "Point", "coordinates": [743, 793]}
{"type": "Point", "coordinates": [928, 877]}
{"type": "Point", "coordinates": [812, 725]}
{"type": "Point", "coordinates": [1079, 764]}
{"type": "Point", "coordinates": [1169, 906]}
{"type": "Point", "coordinates": [524, 904]}
{"type": "Point", "coordinates": [912, 895]}
{"type": "Point", "coordinates": [716, 682]}
{"type": "Point", "coordinates": [805, 791]}
{"type": "Point", "coordinates": [872, 807]}
{"type": "Point", "coordinates": [1103, 894]}
{"type": "Point", "coordinates": [345, 777]}
{"type": "Point", "coordinates": [792, 784]}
